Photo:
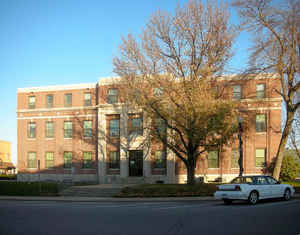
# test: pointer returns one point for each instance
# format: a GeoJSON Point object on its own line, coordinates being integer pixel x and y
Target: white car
{"type": "Point", "coordinates": [253, 188]}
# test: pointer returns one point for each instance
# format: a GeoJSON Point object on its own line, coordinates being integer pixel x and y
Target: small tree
{"type": "Point", "coordinates": [172, 74]}
{"type": "Point", "coordinates": [276, 26]}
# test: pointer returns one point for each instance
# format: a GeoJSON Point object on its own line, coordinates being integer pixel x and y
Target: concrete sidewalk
{"type": "Point", "coordinates": [111, 199]}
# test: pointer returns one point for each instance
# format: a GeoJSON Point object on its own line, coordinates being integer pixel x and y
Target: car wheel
{"type": "Point", "coordinates": [287, 194]}
{"type": "Point", "coordinates": [253, 198]}
{"type": "Point", "coordinates": [227, 201]}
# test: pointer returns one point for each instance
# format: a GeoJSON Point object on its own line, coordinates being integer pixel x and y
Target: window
{"type": "Point", "coordinates": [87, 160]}
{"type": "Point", "coordinates": [114, 128]}
{"type": "Point", "coordinates": [31, 130]}
{"type": "Point", "coordinates": [49, 129]}
{"type": "Point", "coordinates": [260, 91]}
{"type": "Point", "coordinates": [68, 100]}
{"type": "Point", "coordinates": [49, 163]}
{"type": "Point", "coordinates": [31, 102]}
{"type": "Point", "coordinates": [158, 91]}
{"type": "Point", "coordinates": [87, 129]}
{"type": "Point", "coordinates": [213, 159]}
{"type": "Point", "coordinates": [49, 101]}
{"type": "Point", "coordinates": [235, 158]}
{"type": "Point", "coordinates": [32, 160]}
{"type": "Point", "coordinates": [68, 129]}
{"type": "Point", "coordinates": [114, 160]}
{"type": "Point", "coordinates": [160, 127]}
{"type": "Point", "coordinates": [237, 92]}
{"type": "Point", "coordinates": [67, 159]}
{"type": "Point", "coordinates": [112, 96]}
{"type": "Point", "coordinates": [260, 157]}
{"type": "Point", "coordinates": [135, 125]}
{"type": "Point", "coordinates": [271, 180]}
{"type": "Point", "coordinates": [261, 123]}
{"type": "Point", "coordinates": [87, 99]}
{"type": "Point", "coordinates": [159, 159]}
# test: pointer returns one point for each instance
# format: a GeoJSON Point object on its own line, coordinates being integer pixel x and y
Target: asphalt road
{"type": "Point", "coordinates": [155, 218]}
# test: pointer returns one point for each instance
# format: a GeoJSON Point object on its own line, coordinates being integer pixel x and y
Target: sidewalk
{"type": "Point", "coordinates": [110, 199]}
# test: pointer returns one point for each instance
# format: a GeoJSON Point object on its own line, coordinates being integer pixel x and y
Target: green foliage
{"type": "Point", "coordinates": [28, 189]}
{"type": "Point", "coordinates": [290, 167]}
{"type": "Point", "coordinates": [8, 177]}
{"type": "Point", "coordinates": [168, 190]}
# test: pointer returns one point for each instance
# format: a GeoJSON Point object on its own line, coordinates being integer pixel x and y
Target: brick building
{"type": "Point", "coordinates": [6, 165]}
{"type": "Point", "coordinates": [83, 133]}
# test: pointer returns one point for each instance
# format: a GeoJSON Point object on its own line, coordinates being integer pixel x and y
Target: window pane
{"type": "Point", "coordinates": [260, 157]}
{"type": "Point", "coordinates": [260, 123]}
{"type": "Point", "coordinates": [68, 129]}
{"type": "Point", "coordinates": [260, 90]}
{"type": "Point", "coordinates": [160, 126]}
{"type": "Point", "coordinates": [31, 130]}
{"type": "Point", "coordinates": [87, 99]}
{"type": "Point", "coordinates": [235, 158]}
{"type": "Point", "coordinates": [112, 96]}
{"type": "Point", "coordinates": [49, 129]}
{"type": "Point", "coordinates": [49, 160]}
{"type": "Point", "coordinates": [32, 160]}
{"type": "Point", "coordinates": [68, 100]}
{"type": "Point", "coordinates": [159, 159]}
{"type": "Point", "coordinates": [136, 126]}
{"type": "Point", "coordinates": [213, 159]}
{"type": "Point", "coordinates": [114, 128]}
{"type": "Point", "coordinates": [31, 102]}
{"type": "Point", "coordinates": [87, 160]}
{"type": "Point", "coordinates": [87, 129]}
{"type": "Point", "coordinates": [67, 159]}
{"type": "Point", "coordinates": [49, 101]}
{"type": "Point", "coordinates": [237, 92]}
{"type": "Point", "coordinates": [114, 160]}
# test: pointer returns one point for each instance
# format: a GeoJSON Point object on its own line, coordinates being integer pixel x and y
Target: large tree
{"type": "Point", "coordinates": [276, 26]}
{"type": "Point", "coordinates": [171, 72]}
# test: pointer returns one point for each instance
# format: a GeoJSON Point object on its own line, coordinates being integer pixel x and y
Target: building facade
{"type": "Point", "coordinates": [6, 165]}
{"type": "Point", "coordinates": [83, 133]}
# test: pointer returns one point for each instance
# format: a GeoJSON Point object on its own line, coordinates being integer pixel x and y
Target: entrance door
{"type": "Point", "coordinates": [136, 163]}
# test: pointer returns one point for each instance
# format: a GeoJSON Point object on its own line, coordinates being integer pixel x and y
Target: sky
{"type": "Point", "coordinates": [54, 42]}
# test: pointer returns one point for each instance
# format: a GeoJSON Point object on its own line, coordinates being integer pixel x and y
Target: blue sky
{"type": "Point", "coordinates": [51, 42]}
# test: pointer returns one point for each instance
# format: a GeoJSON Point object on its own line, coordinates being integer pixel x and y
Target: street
{"type": "Point", "coordinates": [169, 218]}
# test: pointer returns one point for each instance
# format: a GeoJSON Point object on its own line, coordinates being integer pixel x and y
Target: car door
{"type": "Point", "coordinates": [275, 187]}
{"type": "Point", "coordinates": [263, 187]}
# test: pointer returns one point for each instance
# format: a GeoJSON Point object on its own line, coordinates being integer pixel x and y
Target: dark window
{"type": "Point", "coordinates": [49, 163]}
{"type": "Point", "coordinates": [68, 100]}
{"type": "Point", "coordinates": [31, 130]}
{"type": "Point", "coordinates": [49, 129]}
{"type": "Point", "coordinates": [213, 159]}
{"type": "Point", "coordinates": [114, 127]}
{"type": "Point", "coordinates": [67, 159]}
{"type": "Point", "coordinates": [31, 102]}
{"type": "Point", "coordinates": [112, 96]}
{"type": "Point", "coordinates": [32, 160]}
{"type": "Point", "coordinates": [159, 159]}
{"type": "Point", "coordinates": [87, 160]}
{"type": "Point", "coordinates": [260, 157]}
{"type": "Point", "coordinates": [114, 160]}
{"type": "Point", "coordinates": [237, 92]}
{"type": "Point", "coordinates": [260, 91]}
{"type": "Point", "coordinates": [261, 123]}
{"type": "Point", "coordinates": [235, 158]}
{"type": "Point", "coordinates": [49, 101]}
{"type": "Point", "coordinates": [135, 125]}
{"type": "Point", "coordinates": [160, 127]}
{"type": "Point", "coordinates": [87, 99]}
{"type": "Point", "coordinates": [87, 129]}
{"type": "Point", "coordinates": [68, 129]}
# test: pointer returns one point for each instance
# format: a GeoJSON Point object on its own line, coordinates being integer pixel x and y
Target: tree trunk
{"type": "Point", "coordinates": [190, 173]}
{"type": "Point", "coordinates": [283, 141]}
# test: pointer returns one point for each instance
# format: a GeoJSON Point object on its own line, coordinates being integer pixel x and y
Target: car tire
{"type": "Point", "coordinates": [287, 194]}
{"type": "Point", "coordinates": [253, 198]}
{"type": "Point", "coordinates": [227, 201]}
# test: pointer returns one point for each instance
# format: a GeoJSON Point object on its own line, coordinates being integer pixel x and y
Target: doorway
{"type": "Point", "coordinates": [136, 163]}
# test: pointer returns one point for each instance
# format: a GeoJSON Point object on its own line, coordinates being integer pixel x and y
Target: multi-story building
{"type": "Point", "coordinates": [6, 165]}
{"type": "Point", "coordinates": [82, 132]}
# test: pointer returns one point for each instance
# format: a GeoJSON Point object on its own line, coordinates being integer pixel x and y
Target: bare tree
{"type": "Point", "coordinates": [276, 26]}
{"type": "Point", "coordinates": [172, 72]}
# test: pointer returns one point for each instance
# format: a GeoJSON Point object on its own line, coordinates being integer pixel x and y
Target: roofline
{"type": "Point", "coordinates": [57, 87]}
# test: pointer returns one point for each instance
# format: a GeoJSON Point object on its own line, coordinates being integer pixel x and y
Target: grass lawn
{"type": "Point", "coordinates": [168, 190]}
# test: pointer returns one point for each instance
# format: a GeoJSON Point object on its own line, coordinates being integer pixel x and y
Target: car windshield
{"type": "Point", "coordinates": [242, 180]}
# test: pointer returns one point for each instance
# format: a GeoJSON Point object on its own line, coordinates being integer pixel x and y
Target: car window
{"type": "Point", "coordinates": [261, 180]}
{"type": "Point", "coordinates": [236, 180]}
{"type": "Point", "coordinates": [271, 180]}
{"type": "Point", "coordinates": [248, 180]}
{"type": "Point", "coordinates": [242, 180]}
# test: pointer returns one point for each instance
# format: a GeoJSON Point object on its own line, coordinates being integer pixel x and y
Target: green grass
{"type": "Point", "coordinates": [168, 190]}
{"type": "Point", "coordinates": [28, 189]}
